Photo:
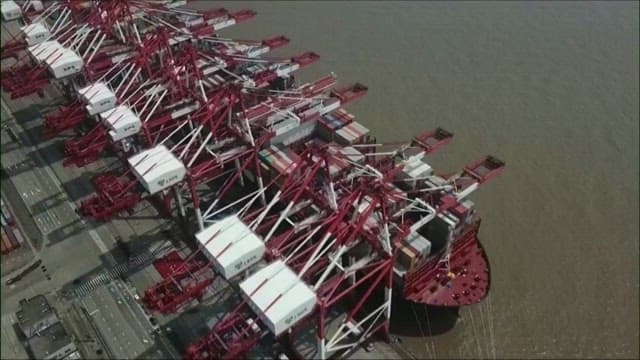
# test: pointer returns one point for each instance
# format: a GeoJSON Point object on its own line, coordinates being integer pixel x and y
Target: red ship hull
{"type": "Point", "coordinates": [466, 282]}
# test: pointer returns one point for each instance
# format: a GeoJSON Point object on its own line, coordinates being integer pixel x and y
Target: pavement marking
{"type": "Point", "coordinates": [107, 276]}
{"type": "Point", "coordinates": [52, 176]}
{"type": "Point", "coordinates": [96, 238]}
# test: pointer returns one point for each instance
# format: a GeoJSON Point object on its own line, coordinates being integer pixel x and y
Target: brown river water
{"type": "Point", "coordinates": [549, 87]}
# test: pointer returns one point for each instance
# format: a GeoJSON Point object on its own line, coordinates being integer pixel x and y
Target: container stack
{"type": "Point", "coordinates": [351, 134]}
{"type": "Point", "coordinates": [9, 241]}
{"type": "Point", "coordinates": [279, 160]}
{"type": "Point", "coordinates": [413, 249]}
{"type": "Point", "coordinates": [415, 171]}
{"type": "Point", "coordinates": [332, 122]}
{"type": "Point", "coordinates": [345, 157]}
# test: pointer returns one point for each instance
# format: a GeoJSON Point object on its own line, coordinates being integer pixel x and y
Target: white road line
{"type": "Point", "coordinates": [46, 217]}
{"type": "Point", "coordinates": [119, 269]}
{"type": "Point", "coordinates": [109, 275]}
{"type": "Point", "coordinates": [52, 214]}
{"type": "Point", "coordinates": [96, 238]}
{"type": "Point", "coordinates": [52, 176]}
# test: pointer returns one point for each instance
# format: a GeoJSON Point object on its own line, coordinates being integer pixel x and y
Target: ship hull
{"type": "Point", "coordinates": [465, 281]}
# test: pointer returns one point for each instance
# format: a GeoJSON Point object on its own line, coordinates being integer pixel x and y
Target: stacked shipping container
{"type": "Point", "coordinates": [9, 241]}
{"type": "Point", "coordinates": [333, 121]}
{"type": "Point", "coordinates": [351, 134]}
{"type": "Point", "coordinates": [278, 160]}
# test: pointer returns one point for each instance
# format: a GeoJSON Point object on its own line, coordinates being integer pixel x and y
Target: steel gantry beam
{"type": "Point", "coordinates": [195, 140]}
{"type": "Point", "coordinates": [309, 218]}
{"type": "Point", "coordinates": [186, 94]}
{"type": "Point", "coordinates": [86, 39]}
{"type": "Point", "coordinates": [312, 256]}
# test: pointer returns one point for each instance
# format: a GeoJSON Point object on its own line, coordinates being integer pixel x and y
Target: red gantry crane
{"type": "Point", "coordinates": [225, 137]}
{"type": "Point", "coordinates": [85, 39]}
{"type": "Point", "coordinates": [328, 221]}
{"type": "Point", "coordinates": [202, 75]}
{"type": "Point", "coordinates": [351, 254]}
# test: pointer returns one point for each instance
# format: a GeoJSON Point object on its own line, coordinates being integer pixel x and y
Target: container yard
{"type": "Point", "coordinates": [239, 211]}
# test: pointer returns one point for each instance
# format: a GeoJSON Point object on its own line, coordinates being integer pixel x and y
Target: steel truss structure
{"type": "Point", "coordinates": [326, 215]}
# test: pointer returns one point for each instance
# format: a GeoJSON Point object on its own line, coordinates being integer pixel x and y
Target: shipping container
{"type": "Point", "coordinates": [10, 10]}
{"type": "Point", "coordinates": [35, 33]}
{"type": "Point", "coordinates": [329, 123]}
{"type": "Point", "coordinates": [6, 214]}
{"type": "Point", "coordinates": [157, 168]}
{"type": "Point", "coordinates": [9, 242]}
{"type": "Point", "coordinates": [98, 97]}
{"type": "Point", "coordinates": [278, 296]}
{"type": "Point", "coordinates": [280, 160]}
{"type": "Point", "coordinates": [235, 247]}
{"type": "Point", "coordinates": [295, 134]}
{"type": "Point", "coordinates": [351, 134]}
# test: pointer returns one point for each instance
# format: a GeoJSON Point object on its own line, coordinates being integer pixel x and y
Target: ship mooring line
{"type": "Point", "coordinates": [415, 314]}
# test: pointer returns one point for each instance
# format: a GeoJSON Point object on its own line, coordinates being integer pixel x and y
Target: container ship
{"type": "Point", "coordinates": [296, 206]}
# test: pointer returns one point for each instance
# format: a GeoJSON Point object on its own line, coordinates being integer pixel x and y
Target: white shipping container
{"type": "Point", "coordinates": [282, 160]}
{"type": "Point", "coordinates": [351, 134]}
{"type": "Point", "coordinates": [330, 105]}
{"type": "Point", "coordinates": [36, 5]}
{"type": "Point", "coordinates": [352, 154]}
{"type": "Point", "coordinates": [415, 168]}
{"type": "Point", "coordinates": [257, 51]}
{"type": "Point", "coordinates": [343, 138]}
{"type": "Point", "coordinates": [231, 246]}
{"type": "Point", "coordinates": [287, 297]}
{"type": "Point", "coordinates": [275, 117]}
{"type": "Point", "coordinates": [223, 24]}
{"type": "Point", "coordinates": [35, 33]}
{"type": "Point", "coordinates": [193, 21]}
{"type": "Point", "coordinates": [420, 170]}
{"type": "Point", "coordinates": [98, 97]}
{"type": "Point", "coordinates": [285, 70]}
{"type": "Point", "coordinates": [10, 10]}
{"type": "Point", "coordinates": [286, 125]}
{"type": "Point", "coordinates": [66, 65]}
{"type": "Point", "coordinates": [157, 168]}
{"type": "Point", "coordinates": [240, 48]}
{"type": "Point", "coordinates": [419, 243]}
{"type": "Point", "coordinates": [122, 122]}
{"type": "Point", "coordinates": [304, 130]}
{"type": "Point", "coordinates": [42, 51]}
